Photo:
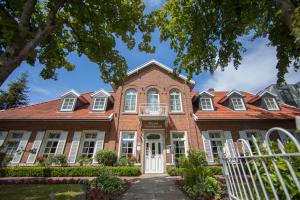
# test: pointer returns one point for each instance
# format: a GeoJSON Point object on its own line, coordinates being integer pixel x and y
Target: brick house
{"type": "Point", "coordinates": [153, 117]}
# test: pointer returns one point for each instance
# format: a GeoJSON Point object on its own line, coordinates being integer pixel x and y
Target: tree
{"type": "Point", "coordinates": [49, 30]}
{"type": "Point", "coordinates": [16, 95]}
{"type": "Point", "coordinates": [206, 34]}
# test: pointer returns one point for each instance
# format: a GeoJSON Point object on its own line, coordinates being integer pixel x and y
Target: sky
{"type": "Point", "coordinates": [256, 72]}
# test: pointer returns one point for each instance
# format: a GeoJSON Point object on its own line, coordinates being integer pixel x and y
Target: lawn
{"type": "Point", "coordinates": [42, 192]}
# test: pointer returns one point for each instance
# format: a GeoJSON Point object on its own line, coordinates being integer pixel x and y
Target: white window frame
{"type": "Point", "coordinates": [155, 94]}
{"type": "Point", "coordinates": [132, 139]}
{"type": "Point", "coordinates": [48, 139]}
{"type": "Point", "coordinates": [130, 90]}
{"type": "Point", "coordinates": [242, 103]}
{"type": "Point", "coordinates": [84, 139]}
{"type": "Point", "coordinates": [11, 139]}
{"type": "Point", "coordinates": [175, 92]}
{"type": "Point", "coordinates": [222, 139]}
{"type": "Point", "coordinates": [184, 139]}
{"type": "Point", "coordinates": [266, 99]}
{"type": "Point", "coordinates": [104, 104]}
{"type": "Point", "coordinates": [211, 104]}
{"type": "Point", "coordinates": [64, 101]}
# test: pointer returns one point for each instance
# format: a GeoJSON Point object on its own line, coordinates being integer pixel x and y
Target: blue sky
{"type": "Point", "coordinates": [255, 73]}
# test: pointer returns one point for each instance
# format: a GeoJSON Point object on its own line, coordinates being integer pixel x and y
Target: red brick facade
{"type": "Point", "coordinates": [191, 121]}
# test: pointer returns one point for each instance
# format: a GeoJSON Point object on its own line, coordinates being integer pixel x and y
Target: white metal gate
{"type": "Point", "coordinates": [269, 169]}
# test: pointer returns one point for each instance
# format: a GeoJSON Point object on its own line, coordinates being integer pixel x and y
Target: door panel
{"type": "Point", "coordinates": [153, 157]}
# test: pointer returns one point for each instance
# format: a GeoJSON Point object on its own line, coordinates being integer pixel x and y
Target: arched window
{"type": "Point", "coordinates": [153, 96]}
{"type": "Point", "coordinates": [175, 101]}
{"type": "Point", "coordinates": [130, 100]}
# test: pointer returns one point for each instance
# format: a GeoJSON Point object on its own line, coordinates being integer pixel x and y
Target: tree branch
{"type": "Point", "coordinates": [288, 9]}
{"type": "Point", "coordinates": [25, 17]}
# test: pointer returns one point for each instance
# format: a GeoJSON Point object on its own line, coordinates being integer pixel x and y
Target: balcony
{"type": "Point", "coordinates": [153, 111]}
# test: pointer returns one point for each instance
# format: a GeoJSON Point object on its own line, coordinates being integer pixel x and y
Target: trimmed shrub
{"type": "Point", "coordinates": [36, 171]}
{"type": "Point", "coordinates": [106, 157]}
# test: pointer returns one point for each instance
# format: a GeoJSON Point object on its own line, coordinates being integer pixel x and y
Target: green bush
{"type": "Point", "coordinates": [106, 157]}
{"type": "Point", "coordinates": [178, 171]}
{"type": "Point", "coordinates": [216, 170]}
{"type": "Point", "coordinates": [85, 160]}
{"type": "Point", "coordinates": [60, 160]}
{"type": "Point", "coordinates": [205, 188]}
{"type": "Point", "coordinates": [36, 171]}
{"type": "Point", "coordinates": [108, 183]}
{"type": "Point", "coordinates": [199, 182]}
{"type": "Point", "coordinates": [175, 171]}
{"type": "Point", "coordinates": [127, 161]}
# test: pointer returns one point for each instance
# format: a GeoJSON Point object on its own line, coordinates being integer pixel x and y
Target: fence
{"type": "Point", "coordinates": [268, 169]}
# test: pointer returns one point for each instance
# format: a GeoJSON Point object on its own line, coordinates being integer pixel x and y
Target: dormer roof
{"type": "Point", "coordinates": [206, 92]}
{"type": "Point", "coordinates": [75, 93]}
{"type": "Point", "coordinates": [228, 94]}
{"type": "Point", "coordinates": [162, 66]}
{"type": "Point", "coordinates": [103, 93]}
{"type": "Point", "coordinates": [260, 94]}
{"type": "Point", "coordinates": [71, 91]}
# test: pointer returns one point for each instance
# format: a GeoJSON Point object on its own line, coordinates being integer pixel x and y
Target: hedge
{"type": "Point", "coordinates": [66, 171]}
{"type": "Point", "coordinates": [176, 171]}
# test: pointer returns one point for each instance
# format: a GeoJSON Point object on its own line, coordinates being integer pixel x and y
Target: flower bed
{"type": "Point", "coordinates": [67, 171]}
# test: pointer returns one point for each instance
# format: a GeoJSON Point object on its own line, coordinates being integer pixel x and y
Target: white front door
{"type": "Point", "coordinates": [153, 155]}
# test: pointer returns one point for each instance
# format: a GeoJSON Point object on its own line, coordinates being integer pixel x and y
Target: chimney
{"type": "Point", "coordinates": [211, 90]}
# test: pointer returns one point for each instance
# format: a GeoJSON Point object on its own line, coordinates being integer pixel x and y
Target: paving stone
{"type": "Point", "coordinates": [153, 187]}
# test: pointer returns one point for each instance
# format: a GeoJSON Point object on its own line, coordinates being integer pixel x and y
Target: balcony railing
{"type": "Point", "coordinates": [153, 109]}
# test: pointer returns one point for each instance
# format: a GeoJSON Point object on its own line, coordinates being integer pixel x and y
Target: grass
{"type": "Point", "coordinates": [42, 192]}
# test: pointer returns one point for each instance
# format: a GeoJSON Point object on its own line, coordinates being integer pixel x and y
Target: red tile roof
{"type": "Point", "coordinates": [253, 112]}
{"type": "Point", "coordinates": [50, 111]}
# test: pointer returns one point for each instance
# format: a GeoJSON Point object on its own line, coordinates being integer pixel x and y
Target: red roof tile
{"type": "Point", "coordinates": [253, 112]}
{"type": "Point", "coordinates": [50, 111]}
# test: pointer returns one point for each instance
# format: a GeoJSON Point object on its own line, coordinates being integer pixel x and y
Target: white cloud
{"type": "Point", "coordinates": [153, 3]}
{"type": "Point", "coordinates": [257, 71]}
{"type": "Point", "coordinates": [39, 90]}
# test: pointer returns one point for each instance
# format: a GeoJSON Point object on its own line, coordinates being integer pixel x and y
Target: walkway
{"type": "Point", "coordinates": [155, 188]}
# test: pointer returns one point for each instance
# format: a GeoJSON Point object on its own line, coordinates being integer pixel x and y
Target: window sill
{"type": "Point", "coordinates": [176, 113]}
{"type": "Point", "coordinates": [129, 113]}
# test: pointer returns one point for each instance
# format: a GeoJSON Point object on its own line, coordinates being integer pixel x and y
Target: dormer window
{"type": "Point", "coordinates": [68, 104]}
{"type": "Point", "coordinates": [238, 104]}
{"type": "Point", "coordinates": [205, 101]}
{"type": "Point", "coordinates": [99, 103]}
{"type": "Point", "coordinates": [206, 104]}
{"type": "Point", "coordinates": [100, 100]}
{"type": "Point", "coordinates": [271, 104]}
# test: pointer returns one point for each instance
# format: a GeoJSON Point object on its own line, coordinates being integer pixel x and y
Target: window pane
{"type": "Point", "coordinates": [68, 104]}
{"type": "Point", "coordinates": [130, 100]}
{"type": "Point", "coordinates": [237, 104]}
{"type": "Point", "coordinates": [99, 103]}
{"type": "Point", "coordinates": [175, 101]}
{"type": "Point", "coordinates": [205, 104]}
{"type": "Point", "coordinates": [271, 104]}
